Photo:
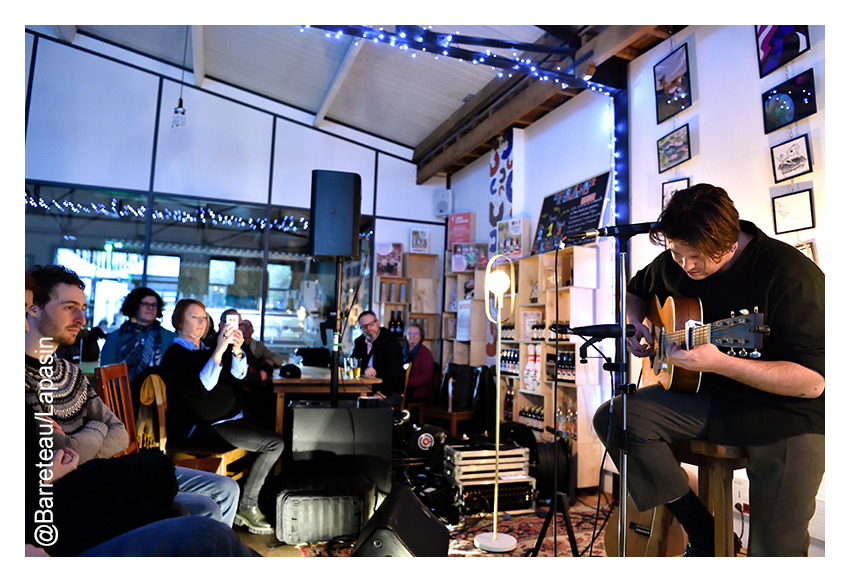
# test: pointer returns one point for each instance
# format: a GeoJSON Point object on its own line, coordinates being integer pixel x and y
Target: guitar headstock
{"type": "Point", "coordinates": [740, 333]}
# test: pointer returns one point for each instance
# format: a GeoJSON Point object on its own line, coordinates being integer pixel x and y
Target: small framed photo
{"type": "Point", "coordinates": [791, 158]}
{"type": "Point", "coordinates": [789, 101]}
{"type": "Point", "coordinates": [419, 240]}
{"type": "Point", "coordinates": [674, 148]}
{"type": "Point", "coordinates": [672, 84]}
{"type": "Point", "coordinates": [779, 44]}
{"type": "Point", "coordinates": [793, 212]}
{"type": "Point", "coordinates": [808, 249]}
{"type": "Point", "coordinates": [671, 187]}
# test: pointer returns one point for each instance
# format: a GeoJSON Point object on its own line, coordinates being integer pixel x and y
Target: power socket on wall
{"type": "Point", "coordinates": [741, 493]}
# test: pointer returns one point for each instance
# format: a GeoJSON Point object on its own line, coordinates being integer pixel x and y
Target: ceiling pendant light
{"type": "Point", "coordinates": [179, 118]}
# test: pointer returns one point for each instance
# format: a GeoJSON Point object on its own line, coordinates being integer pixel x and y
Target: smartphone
{"type": "Point", "coordinates": [233, 322]}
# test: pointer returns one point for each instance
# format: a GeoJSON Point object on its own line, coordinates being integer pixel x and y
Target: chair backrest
{"type": "Point", "coordinates": [112, 385]}
{"type": "Point", "coordinates": [161, 406]}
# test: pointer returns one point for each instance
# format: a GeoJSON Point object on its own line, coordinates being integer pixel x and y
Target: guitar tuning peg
{"type": "Point", "coordinates": [744, 312]}
{"type": "Point", "coordinates": [756, 309]}
{"type": "Point", "coordinates": [755, 354]}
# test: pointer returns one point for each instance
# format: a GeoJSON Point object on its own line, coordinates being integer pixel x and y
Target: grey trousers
{"type": "Point", "coordinates": [784, 476]}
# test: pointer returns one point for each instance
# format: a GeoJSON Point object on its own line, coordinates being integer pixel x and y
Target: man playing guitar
{"type": "Point", "coordinates": [772, 405]}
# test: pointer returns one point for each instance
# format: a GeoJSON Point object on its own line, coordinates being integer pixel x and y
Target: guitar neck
{"type": "Point", "coordinates": [690, 337]}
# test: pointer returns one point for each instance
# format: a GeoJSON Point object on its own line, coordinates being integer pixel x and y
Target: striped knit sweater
{"type": "Point", "coordinates": [58, 389]}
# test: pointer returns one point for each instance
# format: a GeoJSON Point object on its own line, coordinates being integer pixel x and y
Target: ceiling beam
{"type": "Point", "coordinates": [607, 44]}
{"type": "Point", "coordinates": [474, 124]}
{"type": "Point", "coordinates": [529, 94]}
{"type": "Point", "coordinates": [339, 79]}
{"type": "Point", "coordinates": [472, 108]}
{"type": "Point", "coordinates": [198, 65]}
{"type": "Point", "coordinates": [65, 32]}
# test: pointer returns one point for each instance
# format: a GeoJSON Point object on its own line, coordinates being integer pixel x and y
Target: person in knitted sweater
{"type": "Point", "coordinates": [57, 388]}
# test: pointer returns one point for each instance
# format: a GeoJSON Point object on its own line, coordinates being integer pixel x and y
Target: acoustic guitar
{"type": "Point", "coordinates": [679, 322]}
{"type": "Point", "coordinates": [640, 539]}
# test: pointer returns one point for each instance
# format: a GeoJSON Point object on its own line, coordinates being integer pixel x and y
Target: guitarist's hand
{"type": "Point", "coordinates": [701, 358]}
{"type": "Point", "coordinates": [642, 344]}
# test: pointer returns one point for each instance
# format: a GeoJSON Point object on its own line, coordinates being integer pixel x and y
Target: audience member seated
{"type": "Point", "coordinates": [257, 349]}
{"type": "Point", "coordinates": [110, 507]}
{"type": "Point", "coordinates": [141, 341]}
{"type": "Point", "coordinates": [80, 419]}
{"type": "Point", "coordinates": [380, 356]}
{"type": "Point", "coordinates": [259, 398]}
{"type": "Point", "coordinates": [420, 381]}
{"type": "Point", "coordinates": [205, 402]}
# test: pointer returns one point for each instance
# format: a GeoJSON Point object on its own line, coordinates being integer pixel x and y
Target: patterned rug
{"type": "Point", "coordinates": [525, 528]}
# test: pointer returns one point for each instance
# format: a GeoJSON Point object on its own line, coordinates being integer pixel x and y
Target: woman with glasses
{"type": "Point", "coordinates": [140, 341]}
{"type": "Point", "coordinates": [420, 382]}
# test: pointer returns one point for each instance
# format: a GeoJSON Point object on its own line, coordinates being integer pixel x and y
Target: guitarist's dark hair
{"type": "Point", "coordinates": [703, 217]}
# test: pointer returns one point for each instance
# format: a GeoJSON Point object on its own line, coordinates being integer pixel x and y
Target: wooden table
{"type": "Point", "coordinates": [316, 382]}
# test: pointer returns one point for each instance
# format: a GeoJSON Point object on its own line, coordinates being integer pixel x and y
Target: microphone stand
{"type": "Point", "coordinates": [619, 370]}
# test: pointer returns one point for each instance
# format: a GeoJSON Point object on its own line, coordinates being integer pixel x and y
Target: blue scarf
{"type": "Point", "coordinates": [140, 347]}
{"type": "Point", "coordinates": [410, 355]}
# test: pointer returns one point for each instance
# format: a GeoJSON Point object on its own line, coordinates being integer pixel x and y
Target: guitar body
{"type": "Point", "coordinates": [640, 539]}
{"type": "Point", "coordinates": [674, 315]}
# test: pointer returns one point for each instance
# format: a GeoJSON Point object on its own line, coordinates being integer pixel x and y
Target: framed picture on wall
{"type": "Point", "coordinates": [674, 148]}
{"type": "Point", "coordinates": [672, 84]}
{"type": "Point", "coordinates": [793, 212]}
{"type": "Point", "coordinates": [808, 249]}
{"type": "Point", "coordinates": [419, 240]}
{"type": "Point", "coordinates": [671, 187]}
{"type": "Point", "coordinates": [778, 45]}
{"type": "Point", "coordinates": [791, 158]}
{"type": "Point", "coordinates": [789, 102]}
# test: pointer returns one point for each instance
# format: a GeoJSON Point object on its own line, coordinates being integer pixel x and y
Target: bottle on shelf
{"type": "Point", "coordinates": [509, 404]}
{"type": "Point", "coordinates": [572, 418]}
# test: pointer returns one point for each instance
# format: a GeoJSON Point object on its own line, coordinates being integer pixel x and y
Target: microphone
{"type": "Point", "coordinates": [598, 331]}
{"type": "Point", "coordinates": [615, 230]}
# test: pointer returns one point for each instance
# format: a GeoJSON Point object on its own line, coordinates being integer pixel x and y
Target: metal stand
{"type": "Point", "coordinates": [334, 321]}
{"type": "Point", "coordinates": [619, 370]}
{"type": "Point", "coordinates": [560, 501]}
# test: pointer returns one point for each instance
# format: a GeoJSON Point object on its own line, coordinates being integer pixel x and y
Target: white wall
{"type": "Point", "coordinates": [730, 147]}
{"type": "Point", "coordinates": [93, 121]}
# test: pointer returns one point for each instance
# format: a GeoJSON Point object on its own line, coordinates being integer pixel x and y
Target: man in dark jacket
{"type": "Point", "coordinates": [380, 356]}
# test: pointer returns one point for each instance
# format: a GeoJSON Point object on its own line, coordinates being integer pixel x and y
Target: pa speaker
{"type": "Point", "coordinates": [402, 527]}
{"type": "Point", "coordinates": [334, 214]}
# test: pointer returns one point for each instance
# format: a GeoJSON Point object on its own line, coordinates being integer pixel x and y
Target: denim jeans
{"type": "Point", "coordinates": [246, 433]}
{"type": "Point", "coordinates": [194, 535]}
{"type": "Point", "coordinates": [208, 494]}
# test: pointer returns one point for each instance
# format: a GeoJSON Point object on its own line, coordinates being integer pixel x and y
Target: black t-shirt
{"type": "Point", "coordinates": [789, 290]}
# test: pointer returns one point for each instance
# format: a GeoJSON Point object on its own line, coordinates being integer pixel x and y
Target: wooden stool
{"type": "Point", "coordinates": [443, 414]}
{"type": "Point", "coordinates": [715, 464]}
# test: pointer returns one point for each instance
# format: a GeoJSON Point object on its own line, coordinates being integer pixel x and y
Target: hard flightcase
{"type": "Point", "coordinates": [314, 508]}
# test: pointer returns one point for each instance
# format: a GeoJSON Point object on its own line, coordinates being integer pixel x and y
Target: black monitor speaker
{"type": "Point", "coordinates": [335, 214]}
{"type": "Point", "coordinates": [402, 527]}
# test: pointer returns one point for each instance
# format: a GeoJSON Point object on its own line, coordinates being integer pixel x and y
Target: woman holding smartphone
{"type": "Point", "coordinates": [205, 402]}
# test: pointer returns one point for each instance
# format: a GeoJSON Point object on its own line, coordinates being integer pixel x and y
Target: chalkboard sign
{"type": "Point", "coordinates": [575, 209]}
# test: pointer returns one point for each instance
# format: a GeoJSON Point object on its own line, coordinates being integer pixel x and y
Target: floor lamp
{"type": "Point", "coordinates": [497, 282]}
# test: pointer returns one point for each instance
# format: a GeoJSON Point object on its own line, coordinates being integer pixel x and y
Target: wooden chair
{"type": "Point", "coordinates": [191, 456]}
{"type": "Point", "coordinates": [112, 385]}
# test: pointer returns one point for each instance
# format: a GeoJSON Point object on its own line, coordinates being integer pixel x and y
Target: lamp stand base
{"type": "Point", "coordinates": [502, 543]}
